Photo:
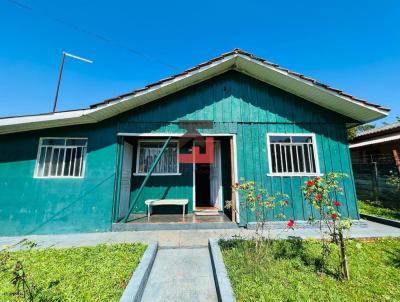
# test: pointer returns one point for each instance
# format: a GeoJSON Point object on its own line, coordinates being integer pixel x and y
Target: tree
{"type": "Point", "coordinates": [397, 121]}
{"type": "Point", "coordinates": [352, 132]}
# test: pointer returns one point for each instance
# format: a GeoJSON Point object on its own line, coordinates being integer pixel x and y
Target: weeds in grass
{"type": "Point", "coordinates": [377, 208]}
{"type": "Point", "coordinates": [394, 180]}
{"type": "Point", "coordinates": [290, 271]}
{"type": "Point", "coordinates": [394, 257]}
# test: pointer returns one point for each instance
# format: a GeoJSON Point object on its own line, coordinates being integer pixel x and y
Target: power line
{"type": "Point", "coordinates": [93, 34]}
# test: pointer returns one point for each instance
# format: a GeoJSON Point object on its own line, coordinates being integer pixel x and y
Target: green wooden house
{"type": "Point", "coordinates": [85, 170]}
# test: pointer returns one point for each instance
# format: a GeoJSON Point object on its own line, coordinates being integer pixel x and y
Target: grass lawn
{"type": "Point", "coordinates": [287, 271]}
{"type": "Point", "coordinates": [378, 210]}
{"type": "Point", "coordinates": [97, 273]}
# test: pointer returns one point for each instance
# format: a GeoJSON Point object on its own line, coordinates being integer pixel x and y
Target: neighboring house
{"type": "Point", "coordinates": [377, 144]}
{"type": "Point", "coordinates": [78, 171]}
{"type": "Point", "coordinates": [375, 155]}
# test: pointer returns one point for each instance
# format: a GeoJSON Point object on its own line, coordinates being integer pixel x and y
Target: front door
{"type": "Point", "coordinates": [216, 178]}
{"type": "Point", "coordinates": [125, 190]}
{"type": "Point", "coordinates": [208, 182]}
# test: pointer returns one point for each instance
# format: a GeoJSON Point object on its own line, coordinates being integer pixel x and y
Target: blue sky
{"type": "Point", "coordinates": [351, 45]}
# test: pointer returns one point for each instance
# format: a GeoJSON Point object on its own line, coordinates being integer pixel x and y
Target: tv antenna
{"type": "Point", "coordinates": [65, 54]}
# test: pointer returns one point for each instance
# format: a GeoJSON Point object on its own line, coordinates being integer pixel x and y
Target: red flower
{"type": "Point", "coordinates": [334, 216]}
{"type": "Point", "coordinates": [309, 183]}
{"type": "Point", "coordinates": [259, 197]}
{"type": "Point", "coordinates": [290, 223]}
{"type": "Point", "coordinates": [318, 197]}
{"type": "Point", "coordinates": [237, 184]}
{"type": "Point", "coordinates": [337, 203]}
{"type": "Point", "coordinates": [316, 178]}
{"type": "Point", "coordinates": [285, 203]}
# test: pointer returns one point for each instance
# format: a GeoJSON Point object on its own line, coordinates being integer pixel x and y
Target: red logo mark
{"type": "Point", "coordinates": [192, 136]}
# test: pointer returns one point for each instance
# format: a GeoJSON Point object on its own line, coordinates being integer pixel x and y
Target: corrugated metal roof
{"type": "Point", "coordinates": [292, 82]}
{"type": "Point", "coordinates": [381, 139]}
{"type": "Point", "coordinates": [379, 130]}
{"type": "Point", "coordinates": [238, 51]}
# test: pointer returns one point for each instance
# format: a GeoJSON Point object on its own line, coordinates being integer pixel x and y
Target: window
{"type": "Point", "coordinates": [147, 154]}
{"type": "Point", "coordinates": [61, 157]}
{"type": "Point", "coordinates": [293, 154]}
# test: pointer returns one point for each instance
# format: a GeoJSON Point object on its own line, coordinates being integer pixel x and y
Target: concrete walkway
{"type": "Point", "coordinates": [182, 268]}
{"type": "Point", "coordinates": [187, 238]}
{"type": "Point", "coordinates": [181, 275]}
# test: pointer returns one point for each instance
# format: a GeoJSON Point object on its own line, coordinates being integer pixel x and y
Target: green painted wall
{"type": "Point", "coordinates": [162, 187]}
{"type": "Point", "coordinates": [236, 103]}
{"type": "Point", "coordinates": [39, 206]}
{"type": "Point", "coordinates": [250, 109]}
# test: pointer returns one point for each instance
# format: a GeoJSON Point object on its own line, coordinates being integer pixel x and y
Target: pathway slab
{"type": "Point", "coordinates": [181, 274]}
{"type": "Point", "coordinates": [188, 238]}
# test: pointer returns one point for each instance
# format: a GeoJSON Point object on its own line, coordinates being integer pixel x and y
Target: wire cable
{"type": "Point", "coordinates": [93, 34]}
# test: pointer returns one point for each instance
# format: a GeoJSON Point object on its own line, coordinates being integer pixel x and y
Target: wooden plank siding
{"type": "Point", "coordinates": [236, 103]}
{"type": "Point", "coordinates": [250, 109]}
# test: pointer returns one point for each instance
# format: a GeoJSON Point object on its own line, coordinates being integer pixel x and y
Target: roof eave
{"type": "Point", "coordinates": [311, 92]}
{"type": "Point", "coordinates": [258, 68]}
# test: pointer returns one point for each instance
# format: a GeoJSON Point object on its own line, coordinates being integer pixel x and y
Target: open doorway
{"type": "Point", "coordinates": [208, 182]}
{"type": "Point", "coordinates": [203, 194]}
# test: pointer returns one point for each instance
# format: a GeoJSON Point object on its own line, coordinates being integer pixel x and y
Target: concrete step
{"type": "Point", "coordinates": [207, 213]}
{"type": "Point", "coordinates": [122, 227]}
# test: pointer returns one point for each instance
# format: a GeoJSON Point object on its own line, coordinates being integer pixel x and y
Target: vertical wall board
{"type": "Point", "coordinates": [268, 180]}
{"type": "Point", "coordinates": [241, 168]}
{"type": "Point", "coordinates": [31, 205]}
{"type": "Point", "coordinates": [339, 167]}
{"type": "Point", "coordinates": [323, 156]}
{"type": "Point", "coordinates": [276, 181]}
{"type": "Point", "coordinates": [260, 158]}
{"type": "Point", "coordinates": [118, 173]}
{"type": "Point", "coordinates": [325, 143]}
{"type": "Point", "coordinates": [294, 209]}
{"type": "Point", "coordinates": [302, 209]}
{"type": "Point", "coordinates": [255, 160]}
{"type": "Point", "coordinates": [234, 101]}
{"type": "Point", "coordinates": [162, 187]}
{"type": "Point", "coordinates": [349, 188]}
{"type": "Point", "coordinates": [334, 155]}
{"type": "Point", "coordinates": [283, 183]}
{"type": "Point", "coordinates": [248, 172]}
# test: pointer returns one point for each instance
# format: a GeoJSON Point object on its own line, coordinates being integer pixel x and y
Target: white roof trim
{"type": "Point", "coordinates": [380, 140]}
{"type": "Point", "coordinates": [239, 62]}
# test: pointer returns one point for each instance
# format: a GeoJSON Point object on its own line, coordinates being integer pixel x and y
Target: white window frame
{"type": "Point", "coordinates": [137, 173]}
{"type": "Point", "coordinates": [36, 172]}
{"type": "Point", "coordinates": [315, 149]}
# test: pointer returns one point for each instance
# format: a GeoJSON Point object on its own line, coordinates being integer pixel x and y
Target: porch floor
{"type": "Point", "coordinates": [178, 218]}
{"type": "Point", "coordinates": [139, 222]}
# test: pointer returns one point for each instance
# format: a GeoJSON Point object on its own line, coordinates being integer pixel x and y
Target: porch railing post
{"type": "Point", "coordinates": [118, 169]}
{"type": "Point", "coordinates": [146, 179]}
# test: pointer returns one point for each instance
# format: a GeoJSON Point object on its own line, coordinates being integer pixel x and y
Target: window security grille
{"type": "Point", "coordinates": [293, 154]}
{"type": "Point", "coordinates": [61, 157]}
{"type": "Point", "coordinates": [147, 153]}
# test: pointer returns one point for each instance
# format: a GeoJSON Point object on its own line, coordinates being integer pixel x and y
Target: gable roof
{"type": "Point", "coordinates": [241, 61]}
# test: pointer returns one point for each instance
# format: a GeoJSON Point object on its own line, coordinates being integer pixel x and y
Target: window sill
{"type": "Point", "coordinates": [158, 174]}
{"type": "Point", "coordinates": [294, 174]}
{"type": "Point", "coordinates": [58, 177]}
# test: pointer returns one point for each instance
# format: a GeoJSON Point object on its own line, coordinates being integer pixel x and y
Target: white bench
{"type": "Point", "coordinates": [163, 202]}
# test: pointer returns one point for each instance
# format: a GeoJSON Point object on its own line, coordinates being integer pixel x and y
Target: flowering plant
{"type": "Point", "coordinates": [322, 193]}
{"type": "Point", "coordinates": [263, 205]}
